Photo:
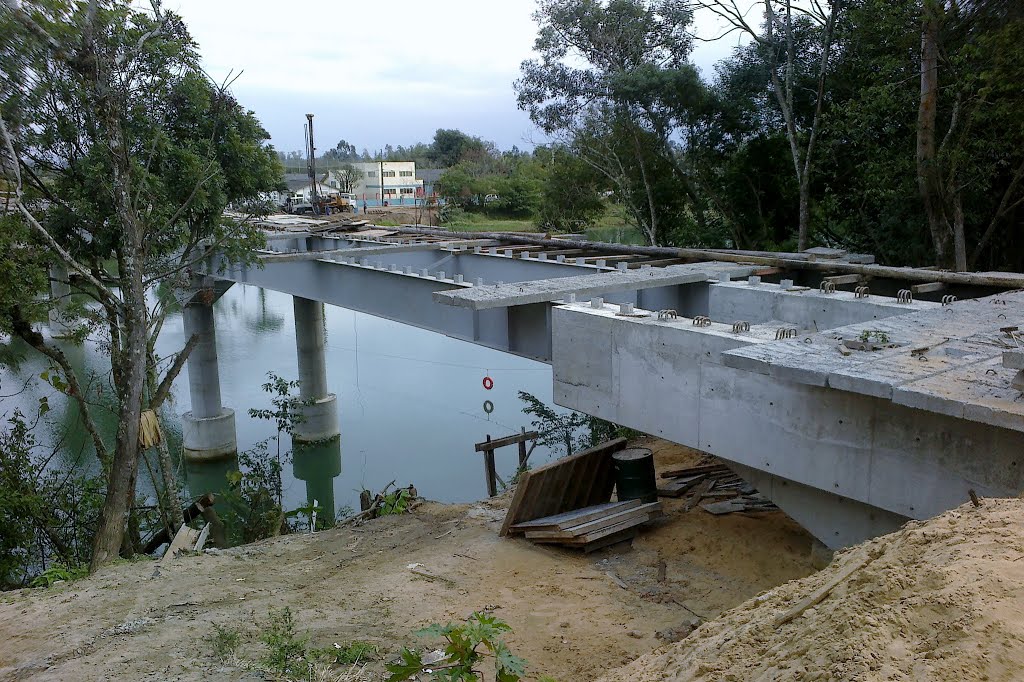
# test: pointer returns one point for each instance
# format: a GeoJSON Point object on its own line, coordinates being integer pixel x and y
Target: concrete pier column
{"type": "Point", "coordinates": [320, 417]}
{"type": "Point", "coordinates": [208, 430]}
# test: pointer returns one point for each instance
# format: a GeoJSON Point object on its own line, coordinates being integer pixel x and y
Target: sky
{"type": "Point", "coordinates": [385, 72]}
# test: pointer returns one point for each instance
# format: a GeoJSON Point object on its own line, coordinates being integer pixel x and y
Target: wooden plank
{"type": "Point", "coordinates": [538, 494]}
{"type": "Point", "coordinates": [694, 498]}
{"type": "Point", "coordinates": [597, 524]}
{"type": "Point", "coordinates": [577, 515]}
{"type": "Point", "coordinates": [184, 540]}
{"type": "Point", "coordinates": [491, 473]}
{"type": "Point", "coordinates": [507, 440]}
{"type": "Point", "coordinates": [518, 498]}
{"type": "Point", "coordinates": [678, 488]}
{"type": "Point", "coordinates": [613, 539]}
{"type": "Point", "coordinates": [927, 287]}
{"type": "Point", "coordinates": [610, 530]}
{"type": "Point", "coordinates": [843, 279]}
{"type": "Point", "coordinates": [691, 471]}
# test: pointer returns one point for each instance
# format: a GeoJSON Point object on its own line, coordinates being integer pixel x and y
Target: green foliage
{"type": "Point", "coordinates": [285, 652]}
{"type": "Point", "coordinates": [48, 515]}
{"type": "Point", "coordinates": [252, 501]}
{"type": "Point", "coordinates": [571, 197]}
{"type": "Point", "coordinates": [556, 429]}
{"type": "Point", "coordinates": [225, 642]}
{"type": "Point", "coordinates": [874, 335]}
{"type": "Point", "coordinates": [568, 430]}
{"type": "Point", "coordinates": [59, 572]}
{"type": "Point", "coordinates": [285, 413]}
{"type": "Point", "coordinates": [396, 502]}
{"type": "Point", "coordinates": [463, 652]}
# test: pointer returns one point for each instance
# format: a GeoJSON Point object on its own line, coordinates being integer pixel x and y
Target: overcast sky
{"type": "Point", "coordinates": [385, 72]}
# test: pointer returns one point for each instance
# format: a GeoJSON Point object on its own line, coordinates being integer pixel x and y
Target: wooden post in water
{"type": "Point", "coordinates": [522, 448]}
{"type": "Point", "coordinates": [490, 471]}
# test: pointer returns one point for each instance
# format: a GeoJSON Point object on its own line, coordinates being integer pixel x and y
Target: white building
{"type": "Point", "coordinates": [399, 187]}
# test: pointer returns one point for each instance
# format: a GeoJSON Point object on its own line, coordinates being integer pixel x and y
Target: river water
{"type": "Point", "coordinates": [411, 402]}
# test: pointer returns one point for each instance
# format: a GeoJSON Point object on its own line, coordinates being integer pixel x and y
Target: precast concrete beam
{"type": "Point", "coordinates": [886, 460]}
{"type": "Point", "coordinates": [547, 290]}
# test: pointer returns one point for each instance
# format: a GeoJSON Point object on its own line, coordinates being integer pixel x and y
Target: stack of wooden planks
{"type": "Point", "coordinates": [582, 480]}
{"type": "Point", "coordinates": [725, 491]}
{"type": "Point", "coordinates": [592, 527]}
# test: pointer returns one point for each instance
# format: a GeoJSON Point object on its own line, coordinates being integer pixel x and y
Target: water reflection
{"type": "Point", "coordinates": [409, 401]}
{"type": "Point", "coordinates": [209, 476]}
{"type": "Point", "coordinates": [317, 465]}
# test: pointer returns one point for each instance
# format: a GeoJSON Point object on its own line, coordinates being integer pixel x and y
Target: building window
{"type": "Point", "coordinates": [407, 190]}
{"type": "Point", "coordinates": [389, 174]}
{"type": "Point", "coordinates": [405, 174]}
{"type": "Point", "coordinates": [389, 192]}
{"type": "Point", "coordinates": [371, 174]}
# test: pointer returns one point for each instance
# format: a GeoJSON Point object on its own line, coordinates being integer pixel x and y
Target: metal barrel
{"type": "Point", "coordinates": [634, 474]}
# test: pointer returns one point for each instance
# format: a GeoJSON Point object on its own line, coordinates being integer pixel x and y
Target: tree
{"type": "Point", "coordinates": [776, 38]}
{"type": "Point", "coordinates": [571, 196]}
{"type": "Point", "coordinates": [122, 156]}
{"type": "Point", "coordinates": [343, 151]}
{"type": "Point", "coordinates": [451, 146]}
{"type": "Point", "coordinates": [613, 82]}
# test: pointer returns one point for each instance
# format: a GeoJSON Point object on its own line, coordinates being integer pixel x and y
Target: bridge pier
{"type": "Point", "coordinates": [320, 417]}
{"type": "Point", "coordinates": [208, 429]}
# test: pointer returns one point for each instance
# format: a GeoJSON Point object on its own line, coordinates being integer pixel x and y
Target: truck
{"type": "Point", "coordinates": [334, 203]}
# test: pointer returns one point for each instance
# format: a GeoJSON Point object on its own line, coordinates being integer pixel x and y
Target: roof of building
{"type": "Point", "coordinates": [296, 181]}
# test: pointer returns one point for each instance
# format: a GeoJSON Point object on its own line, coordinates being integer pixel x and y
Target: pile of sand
{"type": "Point", "coordinates": [936, 600]}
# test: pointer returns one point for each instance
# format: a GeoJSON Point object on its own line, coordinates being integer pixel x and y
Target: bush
{"type": "Point", "coordinates": [48, 516]}
{"type": "Point", "coordinates": [463, 642]}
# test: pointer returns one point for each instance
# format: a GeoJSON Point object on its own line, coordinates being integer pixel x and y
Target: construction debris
{"type": "Point", "coordinates": [729, 493]}
{"type": "Point", "coordinates": [592, 527]}
{"type": "Point", "coordinates": [569, 484]}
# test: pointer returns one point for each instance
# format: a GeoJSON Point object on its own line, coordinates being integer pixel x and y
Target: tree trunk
{"type": "Point", "coordinates": [174, 511]}
{"type": "Point", "coordinates": [125, 465]}
{"type": "Point", "coordinates": [928, 177]}
{"type": "Point", "coordinates": [805, 211]}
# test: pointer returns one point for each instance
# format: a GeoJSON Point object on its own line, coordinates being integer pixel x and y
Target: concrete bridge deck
{"type": "Point", "coordinates": [768, 375]}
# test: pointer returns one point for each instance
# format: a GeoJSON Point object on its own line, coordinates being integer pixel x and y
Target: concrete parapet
{"type": "Point", "coordinates": [210, 438]}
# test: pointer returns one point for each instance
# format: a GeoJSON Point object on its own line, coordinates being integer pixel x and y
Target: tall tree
{"type": "Point", "coordinates": [618, 67]}
{"type": "Point", "coordinates": [122, 157]}
{"type": "Point", "coordinates": [776, 36]}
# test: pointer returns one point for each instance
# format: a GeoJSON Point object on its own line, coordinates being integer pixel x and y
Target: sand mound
{"type": "Point", "coordinates": [936, 600]}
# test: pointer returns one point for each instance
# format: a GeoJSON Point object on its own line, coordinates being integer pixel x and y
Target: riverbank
{"type": "Point", "coordinates": [572, 618]}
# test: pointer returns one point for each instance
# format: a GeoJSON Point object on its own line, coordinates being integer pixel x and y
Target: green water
{"type": "Point", "coordinates": [410, 403]}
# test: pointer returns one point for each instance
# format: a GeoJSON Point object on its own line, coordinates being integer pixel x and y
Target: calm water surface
{"type": "Point", "coordinates": [410, 402]}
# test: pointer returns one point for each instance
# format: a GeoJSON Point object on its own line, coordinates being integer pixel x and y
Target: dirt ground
{"type": "Point", "coordinates": [571, 618]}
